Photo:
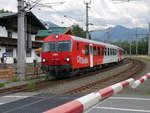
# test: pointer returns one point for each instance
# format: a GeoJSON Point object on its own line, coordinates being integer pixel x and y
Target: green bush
{"type": "Point", "coordinates": [2, 85]}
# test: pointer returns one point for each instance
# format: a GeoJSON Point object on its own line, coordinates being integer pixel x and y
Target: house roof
{"type": "Point", "coordinates": [9, 20]}
{"type": "Point", "coordinates": [52, 30]}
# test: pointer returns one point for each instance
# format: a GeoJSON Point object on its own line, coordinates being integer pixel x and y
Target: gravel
{"type": "Point", "coordinates": [59, 89]}
{"type": "Point", "coordinates": [143, 89]}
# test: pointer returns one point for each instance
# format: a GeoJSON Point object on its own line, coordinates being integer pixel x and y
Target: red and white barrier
{"type": "Point", "coordinates": [83, 103]}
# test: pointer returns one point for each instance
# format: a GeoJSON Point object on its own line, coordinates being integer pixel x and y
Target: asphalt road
{"type": "Point", "coordinates": [32, 103]}
{"type": "Point", "coordinates": [37, 103]}
{"type": "Point", "coordinates": [123, 104]}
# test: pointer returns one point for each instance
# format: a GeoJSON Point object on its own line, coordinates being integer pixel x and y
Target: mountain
{"type": "Point", "coordinates": [118, 33]}
{"type": "Point", "coordinates": [49, 24]}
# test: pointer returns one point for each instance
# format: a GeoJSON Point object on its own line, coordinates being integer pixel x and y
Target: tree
{"type": "Point", "coordinates": [5, 11]}
{"type": "Point", "coordinates": [78, 31]}
{"type": "Point", "coordinates": [142, 46]}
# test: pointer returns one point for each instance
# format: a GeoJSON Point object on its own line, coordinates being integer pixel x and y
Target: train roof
{"type": "Point", "coordinates": [94, 42]}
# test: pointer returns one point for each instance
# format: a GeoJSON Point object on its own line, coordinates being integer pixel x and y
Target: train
{"type": "Point", "coordinates": [65, 55]}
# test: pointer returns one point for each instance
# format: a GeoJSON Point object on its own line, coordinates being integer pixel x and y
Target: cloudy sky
{"type": "Point", "coordinates": [102, 13]}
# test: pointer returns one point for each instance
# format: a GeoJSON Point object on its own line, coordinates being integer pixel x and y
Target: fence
{"type": "Point", "coordinates": [11, 73]}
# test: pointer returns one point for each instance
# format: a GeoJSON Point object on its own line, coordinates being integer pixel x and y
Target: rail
{"type": "Point", "coordinates": [81, 104]}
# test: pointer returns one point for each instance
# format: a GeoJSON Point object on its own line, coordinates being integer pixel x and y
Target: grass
{"type": "Point", "coordinates": [2, 85]}
{"type": "Point", "coordinates": [33, 78]}
{"type": "Point", "coordinates": [147, 58]}
{"type": "Point", "coordinates": [30, 86]}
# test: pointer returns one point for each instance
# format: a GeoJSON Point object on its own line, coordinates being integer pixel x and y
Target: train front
{"type": "Point", "coordinates": [56, 55]}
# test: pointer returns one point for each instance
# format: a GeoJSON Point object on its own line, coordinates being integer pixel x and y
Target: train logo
{"type": "Point", "coordinates": [82, 60]}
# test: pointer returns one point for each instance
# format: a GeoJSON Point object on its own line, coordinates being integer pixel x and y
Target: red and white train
{"type": "Point", "coordinates": [64, 54]}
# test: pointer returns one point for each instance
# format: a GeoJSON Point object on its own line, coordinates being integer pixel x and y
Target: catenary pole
{"type": "Point", "coordinates": [149, 41]}
{"type": "Point", "coordinates": [21, 50]}
{"type": "Point", "coordinates": [87, 19]}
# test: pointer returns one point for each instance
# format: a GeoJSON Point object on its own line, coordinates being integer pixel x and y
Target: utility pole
{"type": "Point", "coordinates": [130, 47]}
{"type": "Point", "coordinates": [87, 19]}
{"type": "Point", "coordinates": [149, 41]}
{"type": "Point", "coordinates": [108, 30]}
{"type": "Point", "coordinates": [136, 42]}
{"type": "Point", "coordinates": [21, 54]}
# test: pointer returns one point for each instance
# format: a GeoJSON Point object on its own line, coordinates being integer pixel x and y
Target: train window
{"type": "Point", "coordinates": [86, 50]}
{"type": "Point", "coordinates": [105, 50]}
{"type": "Point", "coordinates": [108, 51]}
{"type": "Point", "coordinates": [94, 51]}
{"type": "Point", "coordinates": [77, 46]}
{"type": "Point", "coordinates": [115, 52]}
{"type": "Point", "coordinates": [111, 51]}
{"type": "Point", "coordinates": [98, 51]}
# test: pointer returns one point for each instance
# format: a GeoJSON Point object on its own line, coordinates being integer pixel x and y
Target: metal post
{"type": "Point", "coordinates": [87, 19]}
{"type": "Point", "coordinates": [149, 41]}
{"type": "Point", "coordinates": [21, 53]}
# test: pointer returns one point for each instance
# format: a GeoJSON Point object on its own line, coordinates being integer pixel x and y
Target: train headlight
{"type": "Point", "coordinates": [56, 36]}
{"type": "Point", "coordinates": [67, 59]}
{"type": "Point", "coordinates": [43, 60]}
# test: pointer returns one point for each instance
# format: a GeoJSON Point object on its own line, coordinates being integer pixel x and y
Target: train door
{"type": "Point", "coordinates": [91, 55]}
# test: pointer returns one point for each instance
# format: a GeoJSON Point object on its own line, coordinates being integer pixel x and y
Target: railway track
{"type": "Point", "coordinates": [131, 71]}
{"type": "Point", "coordinates": [136, 67]}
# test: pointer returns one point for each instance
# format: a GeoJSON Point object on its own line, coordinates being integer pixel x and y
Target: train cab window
{"type": "Point", "coordinates": [94, 51]}
{"type": "Point", "coordinates": [86, 50]}
{"type": "Point", "coordinates": [59, 46]}
{"type": "Point", "coordinates": [77, 46]}
{"type": "Point", "coordinates": [98, 51]}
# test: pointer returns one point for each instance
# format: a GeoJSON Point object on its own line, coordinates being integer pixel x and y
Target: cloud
{"type": "Point", "coordinates": [101, 13]}
{"type": "Point", "coordinates": [8, 5]}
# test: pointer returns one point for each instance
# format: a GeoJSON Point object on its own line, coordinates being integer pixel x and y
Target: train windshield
{"type": "Point", "coordinates": [59, 46]}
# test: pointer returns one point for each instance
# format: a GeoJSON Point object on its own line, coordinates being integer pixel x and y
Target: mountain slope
{"type": "Point", "coordinates": [118, 33]}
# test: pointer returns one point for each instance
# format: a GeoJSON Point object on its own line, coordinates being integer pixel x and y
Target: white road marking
{"type": "Point", "coordinates": [123, 109]}
{"type": "Point", "coordinates": [14, 96]}
{"type": "Point", "coordinates": [1, 103]}
{"type": "Point", "coordinates": [129, 98]}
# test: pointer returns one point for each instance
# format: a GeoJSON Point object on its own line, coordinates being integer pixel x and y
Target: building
{"type": "Point", "coordinates": [52, 30]}
{"type": "Point", "coordinates": [8, 36]}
